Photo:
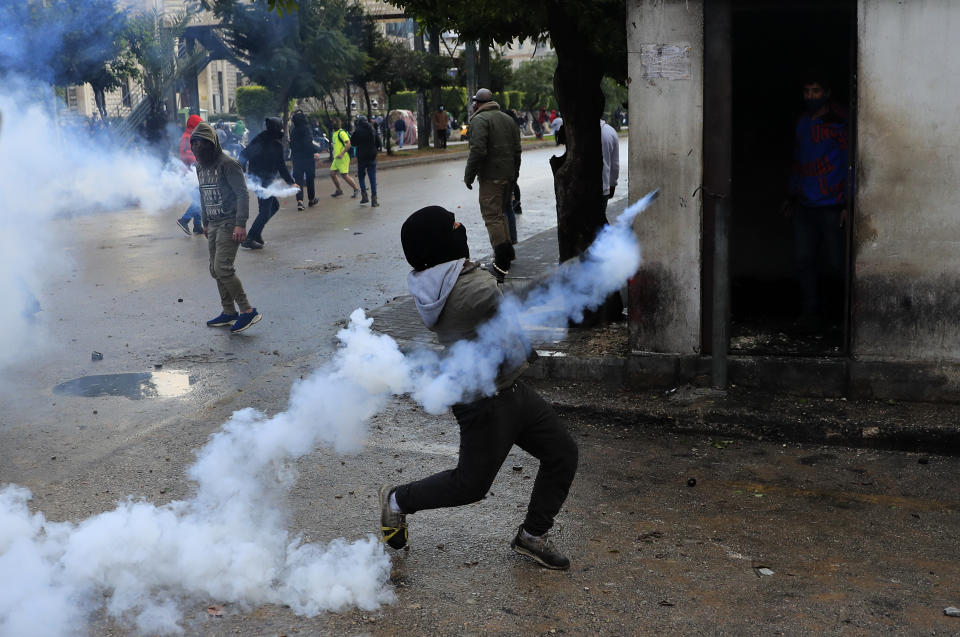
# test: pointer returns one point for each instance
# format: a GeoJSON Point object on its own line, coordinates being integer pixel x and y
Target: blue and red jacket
{"type": "Point", "coordinates": [820, 159]}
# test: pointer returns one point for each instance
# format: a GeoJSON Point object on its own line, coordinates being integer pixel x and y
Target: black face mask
{"type": "Point", "coordinates": [205, 151]}
{"type": "Point", "coordinates": [814, 105]}
{"type": "Point", "coordinates": [460, 242]}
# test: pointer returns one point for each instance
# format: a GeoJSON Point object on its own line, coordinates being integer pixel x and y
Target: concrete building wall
{"type": "Point", "coordinates": [906, 244]}
{"type": "Point", "coordinates": [665, 49]}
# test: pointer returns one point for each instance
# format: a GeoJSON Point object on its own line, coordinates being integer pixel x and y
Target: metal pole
{"type": "Point", "coordinates": [718, 144]}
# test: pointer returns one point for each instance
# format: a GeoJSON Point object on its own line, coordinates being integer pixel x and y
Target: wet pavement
{"type": "Point", "coordinates": [668, 532]}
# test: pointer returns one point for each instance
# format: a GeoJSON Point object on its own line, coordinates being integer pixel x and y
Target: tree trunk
{"type": "Point", "coordinates": [483, 64]}
{"type": "Point", "coordinates": [423, 121]}
{"type": "Point", "coordinates": [366, 98]}
{"type": "Point", "coordinates": [578, 172]}
{"type": "Point", "coordinates": [435, 83]}
{"type": "Point", "coordinates": [388, 125]}
{"type": "Point", "coordinates": [99, 96]}
{"type": "Point", "coordinates": [346, 124]}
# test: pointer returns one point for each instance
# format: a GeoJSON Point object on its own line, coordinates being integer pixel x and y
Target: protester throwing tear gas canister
{"type": "Point", "coordinates": [454, 297]}
{"type": "Point", "coordinates": [495, 160]}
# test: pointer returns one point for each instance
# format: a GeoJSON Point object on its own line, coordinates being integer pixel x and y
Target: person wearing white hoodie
{"type": "Point", "coordinates": [454, 297]}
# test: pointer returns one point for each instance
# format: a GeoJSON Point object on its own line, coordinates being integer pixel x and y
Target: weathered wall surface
{"type": "Point", "coordinates": [907, 231]}
{"type": "Point", "coordinates": [665, 49]}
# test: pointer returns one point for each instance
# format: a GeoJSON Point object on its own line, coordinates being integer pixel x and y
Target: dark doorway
{"type": "Point", "coordinates": [773, 46]}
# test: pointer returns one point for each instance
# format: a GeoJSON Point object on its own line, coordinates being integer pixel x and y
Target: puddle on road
{"type": "Point", "coordinates": [133, 385]}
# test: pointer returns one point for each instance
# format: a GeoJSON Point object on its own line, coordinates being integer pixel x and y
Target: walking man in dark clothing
{"type": "Point", "coordinates": [302, 152]}
{"type": "Point", "coordinates": [263, 159]}
{"type": "Point", "coordinates": [224, 207]}
{"type": "Point", "coordinates": [454, 297]}
{"type": "Point", "coordinates": [366, 140]}
{"type": "Point", "coordinates": [400, 127]}
{"type": "Point", "coordinates": [494, 159]}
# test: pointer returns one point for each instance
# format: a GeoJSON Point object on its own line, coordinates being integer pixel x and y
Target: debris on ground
{"type": "Point", "coordinates": [951, 611]}
{"type": "Point", "coordinates": [96, 356]}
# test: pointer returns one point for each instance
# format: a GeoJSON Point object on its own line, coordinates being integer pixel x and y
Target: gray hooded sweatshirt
{"type": "Point", "coordinates": [223, 189]}
{"type": "Point", "coordinates": [453, 299]}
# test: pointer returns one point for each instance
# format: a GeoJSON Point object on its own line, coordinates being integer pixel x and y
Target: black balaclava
{"type": "Point", "coordinates": [274, 127]}
{"type": "Point", "coordinates": [429, 239]}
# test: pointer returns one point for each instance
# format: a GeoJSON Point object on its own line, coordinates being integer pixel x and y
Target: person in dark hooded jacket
{"type": "Point", "coordinates": [454, 297]}
{"type": "Point", "coordinates": [302, 152]}
{"type": "Point", "coordinates": [263, 159]}
{"type": "Point", "coordinates": [366, 140]}
{"type": "Point", "coordinates": [224, 203]}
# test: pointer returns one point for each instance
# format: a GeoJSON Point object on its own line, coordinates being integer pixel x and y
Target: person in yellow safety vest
{"type": "Point", "coordinates": [341, 160]}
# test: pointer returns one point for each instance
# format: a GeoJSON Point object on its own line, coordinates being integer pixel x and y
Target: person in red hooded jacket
{"type": "Point", "coordinates": [186, 156]}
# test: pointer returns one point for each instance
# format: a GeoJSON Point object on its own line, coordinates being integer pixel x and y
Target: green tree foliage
{"type": "Point", "coordinates": [66, 42]}
{"type": "Point", "coordinates": [153, 43]}
{"type": "Point", "coordinates": [535, 79]}
{"type": "Point", "coordinates": [302, 52]}
{"type": "Point", "coordinates": [615, 96]}
{"type": "Point", "coordinates": [254, 103]}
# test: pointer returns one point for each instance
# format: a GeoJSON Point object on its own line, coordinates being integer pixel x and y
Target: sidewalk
{"type": "Point", "coordinates": [602, 378]}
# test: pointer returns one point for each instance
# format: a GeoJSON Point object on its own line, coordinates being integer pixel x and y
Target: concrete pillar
{"type": "Point", "coordinates": [665, 54]}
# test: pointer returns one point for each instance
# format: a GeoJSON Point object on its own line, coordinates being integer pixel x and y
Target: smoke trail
{"type": "Point", "coordinates": [230, 540]}
{"type": "Point", "coordinates": [470, 367]}
{"type": "Point", "coordinates": [278, 188]}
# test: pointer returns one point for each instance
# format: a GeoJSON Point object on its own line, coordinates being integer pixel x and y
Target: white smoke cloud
{"type": "Point", "coordinates": [52, 173]}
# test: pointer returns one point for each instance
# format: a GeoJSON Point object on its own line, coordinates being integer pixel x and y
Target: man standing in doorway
{"type": "Point", "coordinates": [494, 159]}
{"type": "Point", "coordinates": [341, 160]}
{"type": "Point", "coordinates": [817, 201]}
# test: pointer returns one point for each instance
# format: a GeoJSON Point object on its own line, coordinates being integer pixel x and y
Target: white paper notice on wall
{"type": "Point", "coordinates": [666, 61]}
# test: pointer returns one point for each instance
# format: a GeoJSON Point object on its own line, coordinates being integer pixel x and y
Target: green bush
{"type": "Point", "coordinates": [454, 99]}
{"type": "Point", "coordinates": [406, 100]}
{"type": "Point", "coordinates": [255, 103]}
{"type": "Point", "coordinates": [514, 100]}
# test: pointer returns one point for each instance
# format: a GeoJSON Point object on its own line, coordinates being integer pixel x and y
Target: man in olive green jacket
{"type": "Point", "coordinates": [495, 160]}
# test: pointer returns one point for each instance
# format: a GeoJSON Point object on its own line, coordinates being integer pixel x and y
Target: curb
{"type": "Point", "coordinates": [751, 415]}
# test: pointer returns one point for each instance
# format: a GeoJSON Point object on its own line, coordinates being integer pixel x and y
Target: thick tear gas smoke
{"type": "Point", "coordinates": [230, 541]}
{"type": "Point", "coordinates": [53, 173]}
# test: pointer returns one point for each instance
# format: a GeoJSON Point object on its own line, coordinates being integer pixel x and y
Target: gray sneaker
{"type": "Point", "coordinates": [392, 525]}
{"type": "Point", "coordinates": [541, 549]}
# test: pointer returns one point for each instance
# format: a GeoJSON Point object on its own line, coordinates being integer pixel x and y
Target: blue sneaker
{"type": "Point", "coordinates": [184, 226]}
{"type": "Point", "coordinates": [245, 320]}
{"type": "Point", "coordinates": [222, 320]}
